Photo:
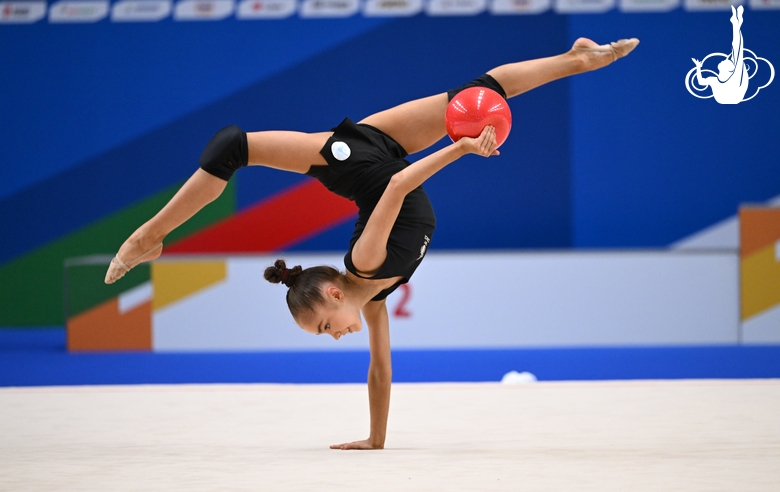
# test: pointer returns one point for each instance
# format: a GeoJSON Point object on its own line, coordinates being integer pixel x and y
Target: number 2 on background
{"type": "Point", "coordinates": [401, 310]}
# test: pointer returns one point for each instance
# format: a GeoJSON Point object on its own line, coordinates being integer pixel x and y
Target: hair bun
{"type": "Point", "coordinates": [280, 274]}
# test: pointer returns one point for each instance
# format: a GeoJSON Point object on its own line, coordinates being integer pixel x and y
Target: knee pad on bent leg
{"type": "Point", "coordinates": [225, 153]}
{"type": "Point", "coordinates": [481, 81]}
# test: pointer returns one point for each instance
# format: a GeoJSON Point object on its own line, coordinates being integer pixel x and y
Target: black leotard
{"type": "Point", "coordinates": [361, 160]}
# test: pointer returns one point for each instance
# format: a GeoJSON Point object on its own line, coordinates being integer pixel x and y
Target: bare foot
{"type": "Point", "coordinates": [137, 249]}
{"type": "Point", "coordinates": [594, 56]}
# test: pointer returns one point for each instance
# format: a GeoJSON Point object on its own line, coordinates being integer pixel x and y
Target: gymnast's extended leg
{"type": "Point", "coordinates": [225, 153]}
{"type": "Point", "coordinates": [418, 124]}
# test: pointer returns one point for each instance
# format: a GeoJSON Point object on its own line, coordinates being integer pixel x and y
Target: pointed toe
{"type": "Point", "coordinates": [624, 46]}
{"type": "Point", "coordinates": [118, 268]}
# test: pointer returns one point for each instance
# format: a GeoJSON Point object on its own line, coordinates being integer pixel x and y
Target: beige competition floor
{"type": "Point", "coordinates": [623, 436]}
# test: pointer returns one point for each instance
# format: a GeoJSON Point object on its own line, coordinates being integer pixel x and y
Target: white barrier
{"type": "Point", "coordinates": [484, 300]}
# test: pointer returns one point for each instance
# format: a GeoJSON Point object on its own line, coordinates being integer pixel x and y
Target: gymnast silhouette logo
{"type": "Point", "coordinates": [730, 84]}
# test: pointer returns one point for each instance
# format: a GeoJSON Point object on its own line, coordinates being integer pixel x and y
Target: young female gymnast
{"type": "Point", "coordinates": [365, 163]}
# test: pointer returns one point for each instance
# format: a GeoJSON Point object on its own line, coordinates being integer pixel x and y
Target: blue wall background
{"type": "Point", "coordinates": [97, 117]}
{"type": "Point", "coordinates": [651, 164]}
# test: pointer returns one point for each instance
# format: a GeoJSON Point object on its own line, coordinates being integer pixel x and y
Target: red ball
{"type": "Point", "coordinates": [473, 109]}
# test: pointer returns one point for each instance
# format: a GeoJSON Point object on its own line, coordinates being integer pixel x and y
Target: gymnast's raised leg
{"type": "Point", "coordinates": [418, 124]}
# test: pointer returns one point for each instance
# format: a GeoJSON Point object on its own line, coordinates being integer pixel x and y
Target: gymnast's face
{"type": "Point", "coordinates": [336, 317]}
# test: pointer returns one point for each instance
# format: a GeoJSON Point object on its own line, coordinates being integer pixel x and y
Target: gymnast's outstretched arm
{"type": "Point", "coordinates": [380, 376]}
{"type": "Point", "coordinates": [370, 251]}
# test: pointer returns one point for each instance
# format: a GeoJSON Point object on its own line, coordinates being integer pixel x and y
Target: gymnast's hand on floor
{"type": "Point", "coordinates": [484, 144]}
{"type": "Point", "coordinates": [365, 444]}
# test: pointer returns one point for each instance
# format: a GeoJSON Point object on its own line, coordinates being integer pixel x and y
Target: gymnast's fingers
{"type": "Point", "coordinates": [364, 444]}
{"type": "Point", "coordinates": [482, 140]}
{"type": "Point", "coordinates": [489, 142]}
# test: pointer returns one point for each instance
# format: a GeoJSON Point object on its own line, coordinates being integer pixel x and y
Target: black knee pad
{"type": "Point", "coordinates": [225, 153]}
{"type": "Point", "coordinates": [481, 81]}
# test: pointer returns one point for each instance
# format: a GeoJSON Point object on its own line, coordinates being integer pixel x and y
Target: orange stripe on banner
{"type": "Point", "coordinates": [289, 217]}
{"type": "Point", "coordinates": [758, 228]}
{"type": "Point", "coordinates": [105, 328]}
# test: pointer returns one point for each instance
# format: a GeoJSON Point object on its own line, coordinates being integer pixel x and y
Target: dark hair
{"type": "Point", "coordinates": [305, 286]}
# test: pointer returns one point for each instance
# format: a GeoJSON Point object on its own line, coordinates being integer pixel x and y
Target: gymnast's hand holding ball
{"type": "Point", "coordinates": [485, 144]}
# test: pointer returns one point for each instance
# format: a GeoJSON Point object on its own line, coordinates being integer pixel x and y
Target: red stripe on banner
{"type": "Point", "coordinates": [273, 224]}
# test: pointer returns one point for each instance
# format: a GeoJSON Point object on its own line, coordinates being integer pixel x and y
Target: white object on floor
{"type": "Point", "coordinates": [514, 377]}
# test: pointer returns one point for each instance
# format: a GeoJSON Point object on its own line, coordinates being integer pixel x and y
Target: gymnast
{"type": "Point", "coordinates": [364, 162]}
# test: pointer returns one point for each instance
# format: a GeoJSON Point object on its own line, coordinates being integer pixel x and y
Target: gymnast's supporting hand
{"type": "Point", "coordinates": [380, 376]}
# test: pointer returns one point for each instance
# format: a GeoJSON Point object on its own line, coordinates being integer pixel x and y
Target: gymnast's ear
{"type": "Point", "coordinates": [334, 292]}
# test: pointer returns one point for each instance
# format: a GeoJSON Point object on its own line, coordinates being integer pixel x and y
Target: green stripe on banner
{"type": "Point", "coordinates": [86, 286]}
{"type": "Point", "coordinates": [31, 287]}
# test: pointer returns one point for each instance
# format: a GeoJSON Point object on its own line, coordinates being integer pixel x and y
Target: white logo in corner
{"type": "Point", "coordinates": [424, 247]}
{"type": "Point", "coordinates": [729, 84]}
{"type": "Point", "coordinates": [341, 151]}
